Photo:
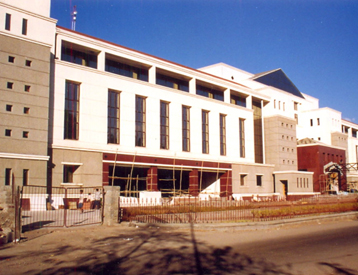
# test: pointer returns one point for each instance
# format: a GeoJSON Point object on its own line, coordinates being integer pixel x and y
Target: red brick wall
{"type": "Point", "coordinates": [312, 158]}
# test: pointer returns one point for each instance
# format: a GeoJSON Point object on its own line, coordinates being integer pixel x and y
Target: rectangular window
{"type": "Point", "coordinates": [8, 108]}
{"type": "Point", "coordinates": [25, 134]}
{"type": "Point", "coordinates": [295, 106]}
{"type": "Point", "coordinates": [164, 125]}
{"type": "Point", "coordinates": [172, 82]}
{"type": "Point", "coordinates": [11, 59]}
{"type": "Point", "coordinates": [354, 133]}
{"type": "Point", "coordinates": [222, 135]}
{"type": "Point", "coordinates": [209, 92]}
{"type": "Point", "coordinates": [242, 137]}
{"type": "Point", "coordinates": [205, 131]}
{"type": "Point", "coordinates": [242, 180]}
{"type": "Point", "coordinates": [120, 67]}
{"type": "Point", "coordinates": [311, 122]}
{"type": "Point", "coordinates": [186, 128]}
{"type": "Point", "coordinates": [8, 176]}
{"type": "Point", "coordinates": [27, 88]}
{"type": "Point", "coordinates": [140, 121]}
{"type": "Point", "coordinates": [113, 117]}
{"type": "Point", "coordinates": [7, 22]}
{"type": "Point", "coordinates": [10, 85]}
{"type": "Point", "coordinates": [8, 132]}
{"type": "Point", "coordinates": [258, 180]}
{"type": "Point", "coordinates": [238, 100]}
{"type": "Point", "coordinates": [25, 177]}
{"type": "Point", "coordinates": [78, 54]}
{"type": "Point", "coordinates": [318, 123]}
{"type": "Point", "coordinates": [68, 173]}
{"type": "Point", "coordinates": [28, 63]}
{"type": "Point", "coordinates": [24, 26]}
{"type": "Point", "coordinates": [72, 101]}
{"type": "Point", "coordinates": [26, 110]}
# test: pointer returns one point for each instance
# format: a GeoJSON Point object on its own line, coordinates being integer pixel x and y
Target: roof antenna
{"type": "Point", "coordinates": [74, 16]}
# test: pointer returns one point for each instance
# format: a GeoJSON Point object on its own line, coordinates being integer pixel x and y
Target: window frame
{"type": "Point", "coordinates": [72, 132]}
{"type": "Point", "coordinates": [140, 121]}
{"type": "Point", "coordinates": [24, 26]}
{"type": "Point", "coordinates": [185, 128]}
{"type": "Point", "coordinates": [8, 21]}
{"type": "Point", "coordinates": [164, 125]}
{"type": "Point", "coordinates": [222, 126]}
{"type": "Point", "coordinates": [205, 131]}
{"type": "Point", "coordinates": [242, 137]}
{"type": "Point", "coordinates": [113, 117]}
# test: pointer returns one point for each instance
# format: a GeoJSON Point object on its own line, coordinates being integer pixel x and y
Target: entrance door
{"type": "Point", "coordinates": [284, 187]}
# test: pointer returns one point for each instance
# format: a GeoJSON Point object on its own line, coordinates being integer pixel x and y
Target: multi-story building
{"type": "Point", "coordinates": [26, 37]}
{"type": "Point", "coordinates": [102, 114]}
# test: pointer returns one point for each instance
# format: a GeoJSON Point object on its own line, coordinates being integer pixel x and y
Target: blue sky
{"type": "Point", "coordinates": [315, 42]}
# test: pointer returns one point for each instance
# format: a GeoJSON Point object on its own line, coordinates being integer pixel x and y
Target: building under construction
{"type": "Point", "coordinates": [122, 117]}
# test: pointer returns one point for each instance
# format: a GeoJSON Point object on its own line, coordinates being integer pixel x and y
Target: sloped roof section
{"type": "Point", "coordinates": [277, 79]}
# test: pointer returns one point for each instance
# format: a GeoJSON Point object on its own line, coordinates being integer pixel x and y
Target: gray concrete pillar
{"type": "Point", "coordinates": [111, 205]}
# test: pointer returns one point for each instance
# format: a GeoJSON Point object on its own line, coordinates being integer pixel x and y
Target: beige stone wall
{"type": "Point", "coordinates": [297, 182]}
{"type": "Point", "coordinates": [340, 140]}
{"type": "Point", "coordinates": [36, 99]}
{"type": "Point", "coordinates": [16, 151]}
{"type": "Point", "coordinates": [37, 171]}
{"type": "Point", "coordinates": [280, 143]}
{"type": "Point", "coordinates": [89, 166]}
{"type": "Point", "coordinates": [250, 184]}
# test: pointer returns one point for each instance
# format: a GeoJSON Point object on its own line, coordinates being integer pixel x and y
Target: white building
{"type": "Point", "coordinates": [122, 117]}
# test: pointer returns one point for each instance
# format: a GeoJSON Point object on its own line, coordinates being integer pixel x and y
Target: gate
{"type": "Point", "coordinates": [59, 207]}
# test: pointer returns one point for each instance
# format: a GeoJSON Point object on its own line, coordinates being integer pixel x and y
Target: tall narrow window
{"type": "Point", "coordinates": [24, 26]}
{"type": "Point", "coordinates": [68, 173]}
{"type": "Point", "coordinates": [258, 180]}
{"type": "Point", "coordinates": [242, 180]}
{"type": "Point", "coordinates": [205, 131]}
{"type": "Point", "coordinates": [8, 176]}
{"type": "Point", "coordinates": [72, 101]}
{"type": "Point", "coordinates": [318, 122]}
{"type": "Point", "coordinates": [140, 121]}
{"type": "Point", "coordinates": [222, 134]}
{"type": "Point", "coordinates": [186, 128]}
{"type": "Point", "coordinates": [164, 125]}
{"type": "Point", "coordinates": [113, 117]}
{"type": "Point", "coordinates": [25, 177]}
{"type": "Point", "coordinates": [242, 137]}
{"type": "Point", "coordinates": [311, 122]}
{"type": "Point", "coordinates": [7, 22]}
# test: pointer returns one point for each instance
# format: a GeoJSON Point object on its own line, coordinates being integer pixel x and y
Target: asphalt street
{"type": "Point", "coordinates": [317, 248]}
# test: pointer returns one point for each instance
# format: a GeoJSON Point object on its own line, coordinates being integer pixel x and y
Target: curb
{"type": "Point", "coordinates": [250, 225]}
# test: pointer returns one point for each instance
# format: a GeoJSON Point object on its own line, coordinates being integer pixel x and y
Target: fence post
{"type": "Point", "coordinates": [111, 206]}
{"type": "Point", "coordinates": [65, 209]}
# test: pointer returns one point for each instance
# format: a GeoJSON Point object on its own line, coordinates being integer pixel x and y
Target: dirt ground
{"type": "Point", "coordinates": [143, 249]}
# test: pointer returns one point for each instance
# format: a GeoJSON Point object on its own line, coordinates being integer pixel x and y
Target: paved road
{"type": "Point", "coordinates": [320, 248]}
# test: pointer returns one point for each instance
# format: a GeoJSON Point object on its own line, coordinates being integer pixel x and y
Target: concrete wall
{"type": "Point", "coordinates": [280, 143]}
{"type": "Point", "coordinates": [250, 183]}
{"type": "Point", "coordinates": [89, 167]}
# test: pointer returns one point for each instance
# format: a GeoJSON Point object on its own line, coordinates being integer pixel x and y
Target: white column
{"type": "Point", "coordinates": [101, 61]}
{"type": "Point", "coordinates": [192, 86]}
{"type": "Point", "coordinates": [249, 102]}
{"type": "Point", "coordinates": [152, 75]}
{"type": "Point", "coordinates": [227, 96]}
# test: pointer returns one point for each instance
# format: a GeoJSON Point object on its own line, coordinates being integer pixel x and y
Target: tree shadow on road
{"type": "Point", "coordinates": [150, 250]}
